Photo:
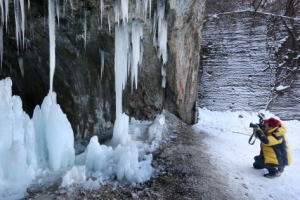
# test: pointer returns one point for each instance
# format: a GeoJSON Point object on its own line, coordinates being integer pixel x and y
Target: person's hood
{"type": "Point", "coordinates": [278, 131]}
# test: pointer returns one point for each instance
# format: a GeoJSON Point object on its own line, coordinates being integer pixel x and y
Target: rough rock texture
{"type": "Point", "coordinates": [87, 98]}
{"type": "Point", "coordinates": [250, 61]}
{"type": "Point", "coordinates": [186, 34]}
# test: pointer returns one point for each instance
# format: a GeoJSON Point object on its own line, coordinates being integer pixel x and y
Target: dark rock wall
{"type": "Point", "coordinates": [182, 71]}
{"type": "Point", "coordinates": [87, 99]}
{"type": "Point", "coordinates": [250, 62]}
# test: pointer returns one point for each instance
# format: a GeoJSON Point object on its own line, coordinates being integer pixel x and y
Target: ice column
{"type": "Point", "coordinates": [120, 132]}
{"type": "Point", "coordinates": [121, 47]}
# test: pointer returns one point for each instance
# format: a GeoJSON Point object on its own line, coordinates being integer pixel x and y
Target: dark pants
{"type": "Point", "coordinates": [259, 160]}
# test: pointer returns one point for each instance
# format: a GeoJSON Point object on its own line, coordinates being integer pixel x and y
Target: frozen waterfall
{"type": "Point", "coordinates": [32, 149]}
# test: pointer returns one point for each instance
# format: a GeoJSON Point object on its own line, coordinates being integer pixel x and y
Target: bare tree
{"type": "Point", "coordinates": [292, 6]}
{"type": "Point", "coordinates": [289, 8]}
{"type": "Point", "coordinates": [258, 3]}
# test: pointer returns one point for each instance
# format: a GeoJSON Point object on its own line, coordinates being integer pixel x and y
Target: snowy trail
{"type": "Point", "coordinates": [233, 156]}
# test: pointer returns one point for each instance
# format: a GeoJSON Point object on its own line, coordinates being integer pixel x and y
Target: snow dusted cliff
{"type": "Point", "coordinates": [250, 61]}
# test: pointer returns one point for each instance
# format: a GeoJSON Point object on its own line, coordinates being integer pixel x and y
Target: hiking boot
{"type": "Point", "coordinates": [281, 169]}
{"type": "Point", "coordinates": [257, 166]}
{"type": "Point", "coordinates": [273, 174]}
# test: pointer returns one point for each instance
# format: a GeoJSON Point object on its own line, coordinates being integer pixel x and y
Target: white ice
{"type": "Point", "coordinates": [51, 13]}
{"type": "Point", "coordinates": [45, 141]}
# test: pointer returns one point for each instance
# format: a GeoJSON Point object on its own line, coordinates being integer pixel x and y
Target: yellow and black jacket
{"type": "Point", "coordinates": [274, 146]}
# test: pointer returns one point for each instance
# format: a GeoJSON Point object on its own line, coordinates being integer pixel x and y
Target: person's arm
{"type": "Point", "coordinates": [266, 140]}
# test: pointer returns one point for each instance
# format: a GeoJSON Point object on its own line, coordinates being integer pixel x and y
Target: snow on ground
{"type": "Point", "coordinates": [232, 155]}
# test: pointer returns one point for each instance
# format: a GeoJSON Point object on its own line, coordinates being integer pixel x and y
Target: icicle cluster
{"type": "Point", "coordinates": [160, 26]}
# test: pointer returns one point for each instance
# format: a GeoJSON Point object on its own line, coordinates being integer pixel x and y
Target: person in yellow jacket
{"type": "Point", "coordinates": [275, 151]}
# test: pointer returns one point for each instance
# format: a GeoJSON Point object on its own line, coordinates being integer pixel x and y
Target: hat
{"type": "Point", "coordinates": [272, 122]}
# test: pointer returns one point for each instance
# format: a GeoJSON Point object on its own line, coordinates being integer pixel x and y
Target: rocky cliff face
{"type": "Point", "coordinates": [86, 95]}
{"type": "Point", "coordinates": [250, 61]}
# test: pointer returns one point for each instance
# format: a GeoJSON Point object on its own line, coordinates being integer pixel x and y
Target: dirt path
{"type": "Point", "coordinates": [185, 172]}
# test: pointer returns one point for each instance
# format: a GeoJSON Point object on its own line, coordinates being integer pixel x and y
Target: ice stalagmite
{"type": "Point", "coordinates": [54, 135]}
{"type": "Point", "coordinates": [17, 146]}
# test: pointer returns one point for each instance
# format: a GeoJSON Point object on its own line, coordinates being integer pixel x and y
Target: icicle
{"type": "Point", "coordinates": [154, 30]}
{"type": "Point", "coordinates": [2, 12]}
{"type": "Point", "coordinates": [101, 10]}
{"type": "Point", "coordinates": [150, 9]}
{"type": "Point", "coordinates": [57, 10]}
{"type": "Point", "coordinates": [136, 38]}
{"type": "Point", "coordinates": [129, 62]}
{"type": "Point", "coordinates": [71, 3]}
{"type": "Point", "coordinates": [121, 48]}
{"type": "Point", "coordinates": [17, 21]}
{"type": "Point", "coordinates": [20, 61]}
{"type": "Point", "coordinates": [137, 7]}
{"type": "Point", "coordinates": [102, 61]}
{"type": "Point", "coordinates": [141, 53]}
{"type": "Point", "coordinates": [145, 8]}
{"type": "Point", "coordinates": [84, 26]}
{"type": "Point", "coordinates": [162, 40]}
{"type": "Point", "coordinates": [72, 6]}
{"type": "Point", "coordinates": [124, 6]}
{"type": "Point", "coordinates": [109, 26]}
{"type": "Point", "coordinates": [163, 83]}
{"type": "Point", "coordinates": [163, 70]}
{"type": "Point", "coordinates": [6, 13]}
{"type": "Point", "coordinates": [117, 12]}
{"type": "Point", "coordinates": [28, 4]}
{"type": "Point", "coordinates": [22, 22]}
{"type": "Point", "coordinates": [64, 8]}
{"type": "Point", "coordinates": [51, 12]}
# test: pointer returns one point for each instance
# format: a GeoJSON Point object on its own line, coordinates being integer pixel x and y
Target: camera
{"type": "Point", "coordinates": [252, 125]}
